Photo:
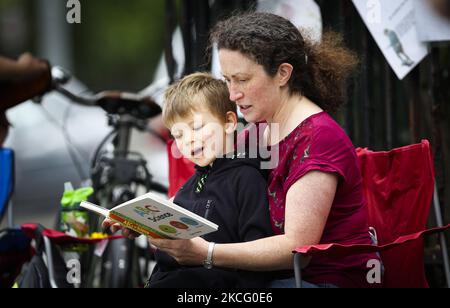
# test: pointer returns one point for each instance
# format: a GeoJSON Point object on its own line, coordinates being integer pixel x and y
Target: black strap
{"type": "Point", "coordinates": [39, 237]}
{"type": "Point", "coordinates": [170, 28]}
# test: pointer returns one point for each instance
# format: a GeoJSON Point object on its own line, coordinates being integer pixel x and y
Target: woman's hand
{"type": "Point", "coordinates": [114, 227]}
{"type": "Point", "coordinates": [185, 252]}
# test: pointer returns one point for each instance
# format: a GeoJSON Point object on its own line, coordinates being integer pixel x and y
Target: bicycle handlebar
{"type": "Point", "coordinates": [113, 102]}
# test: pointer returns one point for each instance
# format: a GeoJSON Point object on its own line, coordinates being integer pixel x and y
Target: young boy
{"type": "Point", "coordinates": [227, 188]}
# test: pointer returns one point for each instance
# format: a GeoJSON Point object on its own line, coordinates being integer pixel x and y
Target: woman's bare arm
{"type": "Point", "coordinates": [308, 205]}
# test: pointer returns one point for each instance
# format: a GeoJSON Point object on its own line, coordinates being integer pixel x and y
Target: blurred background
{"type": "Point", "coordinates": [138, 46]}
{"type": "Point", "coordinates": [116, 46]}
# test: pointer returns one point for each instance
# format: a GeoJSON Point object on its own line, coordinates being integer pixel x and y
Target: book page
{"type": "Point", "coordinates": [159, 218]}
{"type": "Point", "coordinates": [95, 208]}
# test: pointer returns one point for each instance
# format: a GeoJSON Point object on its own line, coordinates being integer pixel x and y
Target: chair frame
{"type": "Point", "coordinates": [443, 242]}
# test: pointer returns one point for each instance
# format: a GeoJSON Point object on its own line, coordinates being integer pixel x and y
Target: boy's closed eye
{"type": "Point", "coordinates": [177, 135]}
{"type": "Point", "coordinates": [197, 128]}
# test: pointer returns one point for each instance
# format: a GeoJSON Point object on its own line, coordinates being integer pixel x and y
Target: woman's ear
{"type": "Point", "coordinates": [231, 123]}
{"type": "Point", "coordinates": [284, 74]}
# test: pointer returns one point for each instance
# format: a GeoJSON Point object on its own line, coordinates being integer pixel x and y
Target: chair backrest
{"type": "Point", "coordinates": [6, 179]}
{"type": "Point", "coordinates": [180, 169]}
{"type": "Point", "coordinates": [398, 186]}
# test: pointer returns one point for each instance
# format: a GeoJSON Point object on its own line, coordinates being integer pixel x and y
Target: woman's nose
{"type": "Point", "coordinates": [236, 95]}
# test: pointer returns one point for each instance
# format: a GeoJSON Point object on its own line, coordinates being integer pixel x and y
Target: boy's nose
{"type": "Point", "coordinates": [195, 139]}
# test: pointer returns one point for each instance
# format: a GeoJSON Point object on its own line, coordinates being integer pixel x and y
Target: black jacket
{"type": "Point", "coordinates": [233, 194]}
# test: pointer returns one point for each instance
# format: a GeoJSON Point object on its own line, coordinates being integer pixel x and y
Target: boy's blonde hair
{"type": "Point", "coordinates": [186, 96]}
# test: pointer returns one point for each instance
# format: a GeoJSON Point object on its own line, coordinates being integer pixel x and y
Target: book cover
{"type": "Point", "coordinates": [156, 217]}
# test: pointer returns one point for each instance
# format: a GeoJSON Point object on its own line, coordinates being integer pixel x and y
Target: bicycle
{"type": "Point", "coordinates": [116, 177]}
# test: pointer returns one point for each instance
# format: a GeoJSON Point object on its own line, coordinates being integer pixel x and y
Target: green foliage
{"type": "Point", "coordinates": [119, 43]}
{"type": "Point", "coordinates": [5, 3]}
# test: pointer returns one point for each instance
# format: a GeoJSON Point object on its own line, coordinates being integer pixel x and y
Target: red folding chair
{"type": "Point", "coordinates": [180, 169]}
{"type": "Point", "coordinates": [398, 186]}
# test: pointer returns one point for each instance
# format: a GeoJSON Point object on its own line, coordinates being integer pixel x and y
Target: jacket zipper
{"type": "Point", "coordinates": [208, 207]}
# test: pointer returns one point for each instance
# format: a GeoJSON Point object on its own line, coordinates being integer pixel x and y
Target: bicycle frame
{"type": "Point", "coordinates": [116, 178]}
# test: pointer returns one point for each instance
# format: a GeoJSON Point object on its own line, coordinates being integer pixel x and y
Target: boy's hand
{"type": "Point", "coordinates": [108, 224]}
{"type": "Point", "coordinates": [185, 252]}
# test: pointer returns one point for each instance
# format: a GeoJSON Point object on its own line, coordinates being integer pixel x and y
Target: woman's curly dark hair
{"type": "Point", "coordinates": [321, 70]}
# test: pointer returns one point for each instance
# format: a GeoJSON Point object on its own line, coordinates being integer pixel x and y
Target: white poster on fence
{"type": "Point", "coordinates": [393, 25]}
{"type": "Point", "coordinates": [430, 25]}
{"type": "Point", "coordinates": [305, 14]}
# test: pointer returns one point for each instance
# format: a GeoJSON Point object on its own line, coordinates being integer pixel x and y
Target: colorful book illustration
{"type": "Point", "coordinates": [156, 217]}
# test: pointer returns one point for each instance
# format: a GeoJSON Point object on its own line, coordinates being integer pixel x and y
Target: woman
{"type": "Point", "coordinates": [315, 193]}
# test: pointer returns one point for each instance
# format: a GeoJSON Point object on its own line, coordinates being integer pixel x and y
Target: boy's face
{"type": "Point", "coordinates": [202, 137]}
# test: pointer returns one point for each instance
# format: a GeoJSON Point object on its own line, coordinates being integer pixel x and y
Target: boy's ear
{"type": "Point", "coordinates": [231, 123]}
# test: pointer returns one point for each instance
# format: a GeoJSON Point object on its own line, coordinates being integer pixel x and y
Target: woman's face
{"type": "Point", "coordinates": [254, 91]}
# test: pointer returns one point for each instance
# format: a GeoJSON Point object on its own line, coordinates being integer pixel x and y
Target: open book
{"type": "Point", "coordinates": [156, 217]}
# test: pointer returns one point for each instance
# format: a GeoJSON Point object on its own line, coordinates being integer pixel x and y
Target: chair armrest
{"type": "Point", "coordinates": [60, 238]}
{"type": "Point", "coordinates": [336, 250]}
